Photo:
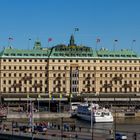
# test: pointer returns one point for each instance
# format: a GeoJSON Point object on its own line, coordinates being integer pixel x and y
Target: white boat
{"type": "Point", "coordinates": [97, 113]}
{"type": "Point", "coordinates": [73, 109]}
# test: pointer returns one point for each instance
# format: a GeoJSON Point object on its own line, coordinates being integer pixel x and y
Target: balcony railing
{"type": "Point", "coordinates": [117, 78]}
{"type": "Point", "coordinates": [37, 85]}
{"type": "Point", "coordinates": [18, 85]}
{"type": "Point", "coordinates": [58, 85]}
{"type": "Point", "coordinates": [27, 78]}
{"type": "Point", "coordinates": [127, 85]}
{"type": "Point", "coordinates": [88, 78]}
{"type": "Point", "coordinates": [107, 85]}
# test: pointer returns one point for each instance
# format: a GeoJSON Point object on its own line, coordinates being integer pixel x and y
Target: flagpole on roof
{"type": "Point", "coordinates": [75, 30]}
{"type": "Point", "coordinates": [49, 40]}
{"type": "Point", "coordinates": [115, 44]}
{"type": "Point", "coordinates": [97, 42]}
{"type": "Point", "coordinates": [9, 41]}
{"type": "Point", "coordinates": [29, 43]}
{"type": "Point", "coordinates": [133, 43]}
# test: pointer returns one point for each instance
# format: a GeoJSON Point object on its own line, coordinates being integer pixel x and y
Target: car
{"type": "Point", "coordinates": [119, 136]}
{"type": "Point", "coordinates": [40, 128]}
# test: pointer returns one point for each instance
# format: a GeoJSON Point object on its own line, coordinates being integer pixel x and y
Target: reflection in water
{"type": "Point", "coordinates": [130, 124]}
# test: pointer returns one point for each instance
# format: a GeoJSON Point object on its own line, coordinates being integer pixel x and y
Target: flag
{"type": "Point", "coordinates": [60, 95]}
{"type": "Point", "coordinates": [116, 40]}
{"type": "Point", "coordinates": [71, 96]}
{"type": "Point", "coordinates": [98, 40]}
{"type": "Point", "coordinates": [50, 96]}
{"type": "Point", "coordinates": [49, 39]}
{"type": "Point", "coordinates": [10, 38]}
{"type": "Point", "coordinates": [76, 29]}
{"type": "Point", "coordinates": [28, 96]}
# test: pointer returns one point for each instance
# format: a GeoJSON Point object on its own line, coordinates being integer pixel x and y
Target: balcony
{"type": "Point", "coordinates": [127, 85]}
{"type": "Point", "coordinates": [117, 78]}
{"type": "Point", "coordinates": [37, 85]}
{"type": "Point", "coordinates": [88, 78]}
{"type": "Point", "coordinates": [58, 78]}
{"type": "Point", "coordinates": [18, 85]}
{"type": "Point", "coordinates": [58, 85]}
{"type": "Point", "coordinates": [27, 78]}
{"type": "Point", "coordinates": [88, 85]}
{"type": "Point", "coordinates": [107, 85]}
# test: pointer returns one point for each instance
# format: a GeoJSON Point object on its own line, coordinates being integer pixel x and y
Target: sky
{"type": "Point", "coordinates": [108, 20]}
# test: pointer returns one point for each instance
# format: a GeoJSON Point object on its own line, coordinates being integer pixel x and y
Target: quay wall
{"type": "Point", "coordinates": [64, 115]}
{"type": "Point", "coordinates": [38, 115]}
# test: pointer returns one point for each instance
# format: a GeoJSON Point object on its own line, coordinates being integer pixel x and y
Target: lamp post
{"type": "Point", "coordinates": [91, 121]}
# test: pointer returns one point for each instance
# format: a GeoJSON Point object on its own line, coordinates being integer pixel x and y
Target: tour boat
{"type": "Point", "coordinates": [94, 112]}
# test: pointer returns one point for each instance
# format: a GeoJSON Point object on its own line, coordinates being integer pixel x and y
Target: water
{"type": "Point", "coordinates": [122, 124]}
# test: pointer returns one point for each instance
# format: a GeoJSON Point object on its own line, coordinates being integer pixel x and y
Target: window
{"type": "Point", "coordinates": [4, 81]}
{"type": "Point", "coordinates": [30, 82]}
{"type": "Point", "coordinates": [4, 89]}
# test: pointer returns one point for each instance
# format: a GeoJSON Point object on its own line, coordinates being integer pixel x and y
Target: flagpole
{"type": "Point", "coordinates": [114, 46]}
{"type": "Point", "coordinates": [133, 42]}
{"type": "Point", "coordinates": [29, 43]}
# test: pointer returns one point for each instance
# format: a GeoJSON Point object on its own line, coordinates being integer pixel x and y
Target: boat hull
{"type": "Point", "coordinates": [97, 119]}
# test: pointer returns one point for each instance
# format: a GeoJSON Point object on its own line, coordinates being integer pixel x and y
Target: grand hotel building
{"type": "Point", "coordinates": [68, 69]}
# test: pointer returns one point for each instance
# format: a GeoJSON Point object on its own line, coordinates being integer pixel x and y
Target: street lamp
{"type": "Point", "coordinates": [91, 120]}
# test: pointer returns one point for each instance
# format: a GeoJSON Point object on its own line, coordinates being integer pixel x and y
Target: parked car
{"type": "Point", "coordinates": [40, 128]}
{"type": "Point", "coordinates": [119, 136]}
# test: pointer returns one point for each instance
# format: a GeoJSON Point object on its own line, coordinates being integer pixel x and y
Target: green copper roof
{"type": "Point", "coordinates": [72, 51]}
{"type": "Point", "coordinates": [116, 53]}
{"type": "Point", "coordinates": [66, 51]}
{"type": "Point", "coordinates": [12, 52]}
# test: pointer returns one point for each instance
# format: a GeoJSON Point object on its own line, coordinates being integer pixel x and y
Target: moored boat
{"type": "Point", "coordinates": [95, 112]}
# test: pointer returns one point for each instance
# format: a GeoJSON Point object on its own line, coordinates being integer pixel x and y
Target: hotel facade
{"type": "Point", "coordinates": [68, 69]}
